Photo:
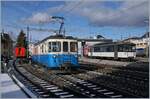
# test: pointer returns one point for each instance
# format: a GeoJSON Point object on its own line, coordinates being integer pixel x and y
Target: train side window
{"type": "Point", "coordinates": [65, 46]}
{"type": "Point", "coordinates": [96, 49]}
{"type": "Point", "coordinates": [133, 48]}
{"type": "Point", "coordinates": [45, 48]}
{"type": "Point", "coordinates": [120, 48]}
{"type": "Point", "coordinates": [73, 46]}
{"type": "Point", "coordinates": [110, 49]}
{"type": "Point", "coordinates": [56, 46]}
{"type": "Point", "coordinates": [42, 48]}
{"type": "Point", "coordinates": [49, 47]}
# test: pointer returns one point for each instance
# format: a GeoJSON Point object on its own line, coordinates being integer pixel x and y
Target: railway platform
{"type": "Point", "coordinates": [104, 62]}
{"type": "Point", "coordinates": [9, 89]}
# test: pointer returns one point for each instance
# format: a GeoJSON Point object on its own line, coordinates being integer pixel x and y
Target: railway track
{"type": "Point", "coordinates": [74, 84]}
{"type": "Point", "coordinates": [40, 87]}
{"type": "Point", "coordinates": [130, 86]}
{"type": "Point", "coordinates": [93, 89]}
{"type": "Point", "coordinates": [125, 72]}
{"type": "Point", "coordinates": [67, 81]}
{"type": "Point", "coordinates": [96, 83]}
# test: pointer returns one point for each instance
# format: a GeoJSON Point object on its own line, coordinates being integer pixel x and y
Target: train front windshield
{"type": "Point", "coordinates": [73, 46]}
{"type": "Point", "coordinates": [54, 47]}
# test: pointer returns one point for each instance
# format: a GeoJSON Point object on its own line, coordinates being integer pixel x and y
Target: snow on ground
{"type": "Point", "coordinates": [9, 89]}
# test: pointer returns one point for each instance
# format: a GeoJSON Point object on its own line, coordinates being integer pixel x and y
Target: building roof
{"type": "Point", "coordinates": [138, 38]}
{"type": "Point", "coordinates": [95, 40]}
{"type": "Point", "coordinates": [5, 37]}
{"type": "Point", "coordinates": [145, 35]}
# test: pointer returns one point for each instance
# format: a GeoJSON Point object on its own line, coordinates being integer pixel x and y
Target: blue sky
{"type": "Point", "coordinates": [112, 19]}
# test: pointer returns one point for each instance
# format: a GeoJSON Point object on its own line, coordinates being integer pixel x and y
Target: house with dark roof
{"type": "Point", "coordinates": [6, 45]}
{"type": "Point", "coordinates": [142, 43]}
{"type": "Point", "coordinates": [85, 43]}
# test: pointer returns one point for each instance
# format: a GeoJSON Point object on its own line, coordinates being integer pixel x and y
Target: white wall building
{"type": "Point", "coordinates": [141, 42]}
{"type": "Point", "coordinates": [31, 48]}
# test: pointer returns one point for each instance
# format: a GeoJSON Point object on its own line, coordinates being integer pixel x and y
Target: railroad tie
{"type": "Point", "coordinates": [56, 90]}
{"type": "Point", "coordinates": [96, 88]}
{"type": "Point", "coordinates": [37, 89]}
{"type": "Point", "coordinates": [87, 84]}
{"type": "Point", "coordinates": [61, 93]}
{"type": "Point", "coordinates": [92, 95]}
{"type": "Point", "coordinates": [67, 96]}
{"type": "Point", "coordinates": [116, 96]}
{"type": "Point", "coordinates": [49, 86]}
{"type": "Point", "coordinates": [102, 90]}
{"type": "Point", "coordinates": [108, 93]}
{"type": "Point", "coordinates": [52, 88]}
{"type": "Point", "coordinates": [87, 92]}
{"type": "Point", "coordinates": [40, 92]}
{"type": "Point", "coordinates": [92, 86]}
{"type": "Point", "coordinates": [82, 82]}
{"type": "Point", "coordinates": [82, 89]}
{"type": "Point", "coordinates": [43, 84]}
{"type": "Point", "coordinates": [45, 95]}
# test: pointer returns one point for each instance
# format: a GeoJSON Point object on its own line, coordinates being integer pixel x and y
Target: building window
{"type": "Point", "coordinates": [145, 43]}
{"type": "Point", "coordinates": [65, 46]}
{"type": "Point", "coordinates": [73, 46]}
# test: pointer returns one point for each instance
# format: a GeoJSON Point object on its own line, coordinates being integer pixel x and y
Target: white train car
{"type": "Point", "coordinates": [113, 50]}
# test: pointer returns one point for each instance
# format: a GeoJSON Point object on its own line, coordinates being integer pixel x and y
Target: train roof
{"type": "Point", "coordinates": [114, 43]}
{"type": "Point", "coordinates": [95, 40]}
{"type": "Point", "coordinates": [56, 37]}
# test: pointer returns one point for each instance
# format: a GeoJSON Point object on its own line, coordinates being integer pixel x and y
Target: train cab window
{"type": "Point", "coordinates": [49, 47]}
{"type": "Point", "coordinates": [56, 46]}
{"type": "Point", "coordinates": [65, 46]}
{"type": "Point", "coordinates": [73, 46]}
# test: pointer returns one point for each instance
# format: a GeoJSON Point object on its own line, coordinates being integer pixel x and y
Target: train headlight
{"type": "Point", "coordinates": [54, 56]}
{"type": "Point", "coordinates": [76, 55]}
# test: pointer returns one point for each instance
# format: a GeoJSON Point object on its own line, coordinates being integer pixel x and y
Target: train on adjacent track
{"type": "Point", "coordinates": [56, 51]}
{"type": "Point", "coordinates": [115, 50]}
{"type": "Point", "coordinates": [20, 52]}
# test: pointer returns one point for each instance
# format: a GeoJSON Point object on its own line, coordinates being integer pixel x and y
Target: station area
{"type": "Point", "coordinates": [9, 88]}
{"type": "Point", "coordinates": [61, 49]}
{"type": "Point", "coordinates": [95, 74]}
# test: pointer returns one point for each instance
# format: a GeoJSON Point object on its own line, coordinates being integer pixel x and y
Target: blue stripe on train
{"type": "Point", "coordinates": [54, 61]}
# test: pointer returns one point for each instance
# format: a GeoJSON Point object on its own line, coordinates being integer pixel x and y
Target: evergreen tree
{"type": "Point", "coordinates": [21, 40]}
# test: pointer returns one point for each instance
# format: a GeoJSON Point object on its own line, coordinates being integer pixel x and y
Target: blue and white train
{"type": "Point", "coordinates": [56, 52]}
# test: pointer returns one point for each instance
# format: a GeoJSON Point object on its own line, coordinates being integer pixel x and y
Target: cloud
{"type": "Point", "coordinates": [129, 13]}
{"type": "Point", "coordinates": [39, 18]}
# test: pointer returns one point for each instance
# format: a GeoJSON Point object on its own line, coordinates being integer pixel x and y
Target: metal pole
{"type": "Point", "coordinates": [27, 41]}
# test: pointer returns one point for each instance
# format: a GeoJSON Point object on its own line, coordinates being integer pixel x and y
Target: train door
{"type": "Point", "coordinates": [115, 51]}
{"type": "Point", "coordinates": [66, 53]}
